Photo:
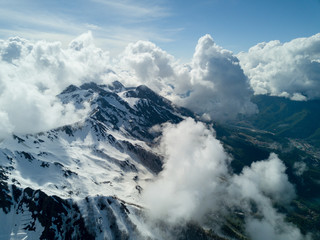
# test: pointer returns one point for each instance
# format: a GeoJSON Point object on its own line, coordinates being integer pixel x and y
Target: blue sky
{"type": "Point", "coordinates": [174, 25]}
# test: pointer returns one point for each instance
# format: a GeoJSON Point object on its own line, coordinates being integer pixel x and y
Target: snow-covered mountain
{"type": "Point", "coordinates": [83, 181]}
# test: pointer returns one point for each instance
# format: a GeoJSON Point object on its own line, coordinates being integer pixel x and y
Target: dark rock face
{"type": "Point", "coordinates": [155, 108]}
{"type": "Point", "coordinates": [150, 160]}
{"type": "Point", "coordinates": [70, 89]}
{"type": "Point", "coordinates": [58, 218]}
{"type": "Point", "coordinates": [5, 198]}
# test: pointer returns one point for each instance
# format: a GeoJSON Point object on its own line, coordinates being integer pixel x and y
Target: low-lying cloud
{"type": "Point", "coordinates": [197, 182]}
{"type": "Point", "coordinates": [190, 178]}
{"type": "Point", "coordinates": [290, 69]}
{"type": "Point", "coordinates": [299, 168]}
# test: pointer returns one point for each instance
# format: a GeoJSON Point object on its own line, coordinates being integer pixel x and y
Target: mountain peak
{"type": "Point", "coordinates": [69, 89]}
{"type": "Point", "coordinates": [91, 85]}
{"type": "Point", "coordinates": [116, 86]}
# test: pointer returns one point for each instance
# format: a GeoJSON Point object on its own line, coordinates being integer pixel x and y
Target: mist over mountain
{"type": "Point", "coordinates": [144, 147]}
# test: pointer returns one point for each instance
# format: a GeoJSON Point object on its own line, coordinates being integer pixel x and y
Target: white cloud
{"type": "Point", "coordinates": [213, 84]}
{"type": "Point", "coordinates": [30, 110]}
{"type": "Point", "coordinates": [219, 86]}
{"type": "Point", "coordinates": [33, 73]}
{"type": "Point", "coordinates": [290, 69]}
{"type": "Point", "coordinates": [276, 229]}
{"type": "Point", "coordinates": [6, 127]}
{"type": "Point", "coordinates": [149, 65]}
{"type": "Point", "coordinates": [192, 171]}
{"type": "Point", "coordinates": [267, 178]}
{"type": "Point", "coordinates": [196, 183]}
{"type": "Point", "coordinates": [264, 183]}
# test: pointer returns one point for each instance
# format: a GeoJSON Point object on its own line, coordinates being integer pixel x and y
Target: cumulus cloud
{"type": "Point", "coordinates": [290, 69]}
{"type": "Point", "coordinates": [212, 84]}
{"type": "Point", "coordinates": [193, 168]}
{"type": "Point", "coordinates": [149, 64]}
{"type": "Point", "coordinates": [266, 178]}
{"type": "Point", "coordinates": [264, 183]}
{"type": "Point", "coordinates": [33, 73]}
{"type": "Point", "coordinates": [196, 183]}
{"type": "Point", "coordinates": [219, 86]}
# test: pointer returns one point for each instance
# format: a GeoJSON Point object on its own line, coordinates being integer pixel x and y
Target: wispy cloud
{"type": "Point", "coordinates": [114, 24]}
{"type": "Point", "coordinates": [24, 19]}
{"type": "Point", "coordinates": [135, 10]}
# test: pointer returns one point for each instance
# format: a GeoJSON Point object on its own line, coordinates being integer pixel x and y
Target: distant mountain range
{"type": "Point", "coordinates": [287, 118]}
